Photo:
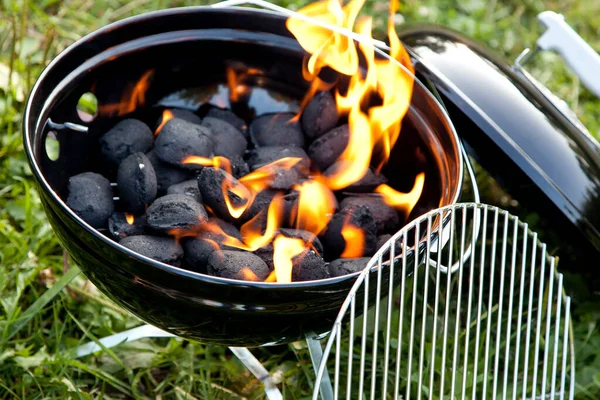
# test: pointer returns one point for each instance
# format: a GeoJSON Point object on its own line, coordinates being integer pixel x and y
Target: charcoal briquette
{"type": "Point", "coordinates": [385, 217]}
{"type": "Point", "coordinates": [382, 240]}
{"type": "Point", "coordinates": [167, 175]}
{"type": "Point", "coordinates": [163, 249]}
{"type": "Point", "coordinates": [309, 266]}
{"type": "Point", "coordinates": [210, 183]}
{"type": "Point", "coordinates": [262, 156]}
{"type": "Point", "coordinates": [358, 216]}
{"type": "Point", "coordinates": [367, 183]}
{"type": "Point", "coordinates": [175, 211]}
{"type": "Point", "coordinates": [229, 116]}
{"type": "Point", "coordinates": [189, 188]}
{"type": "Point", "coordinates": [345, 266]}
{"type": "Point", "coordinates": [197, 251]}
{"type": "Point", "coordinates": [236, 264]}
{"type": "Point", "coordinates": [119, 228]}
{"type": "Point", "coordinates": [229, 141]}
{"type": "Point", "coordinates": [261, 202]}
{"type": "Point", "coordinates": [127, 137]}
{"type": "Point", "coordinates": [306, 236]}
{"type": "Point", "coordinates": [266, 254]}
{"type": "Point", "coordinates": [319, 116]}
{"type": "Point", "coordinates": [325, 150]}
{"type": "Point", "coordinates": [186, 115]}
{"type": "Point", "coordinates": [276, 130]}
{"type": "Point", "coordinates": [179, 139]}
{"type": "Point", "coordinates": [91, 197]}
{"type": "Point", "coordinates": [239, 167]}
{"type": "Point", "coordinates": [137, 184]}
{"type": "Point", "coordinates": [226, 227]}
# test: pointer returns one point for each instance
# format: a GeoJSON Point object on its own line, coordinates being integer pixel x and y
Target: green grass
{"type": "Point", "coordinates": [35, 335]}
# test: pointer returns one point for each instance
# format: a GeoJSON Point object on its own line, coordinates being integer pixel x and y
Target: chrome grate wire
{"type": "Point", "coordinates": [496, 326]}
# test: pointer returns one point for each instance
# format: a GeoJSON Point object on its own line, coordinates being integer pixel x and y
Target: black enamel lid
{"type": "Point", "coordinates": [510, 125]}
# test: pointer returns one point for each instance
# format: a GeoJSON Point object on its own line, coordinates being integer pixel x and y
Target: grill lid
{"type": "Point", "coordinates": [514, 127]}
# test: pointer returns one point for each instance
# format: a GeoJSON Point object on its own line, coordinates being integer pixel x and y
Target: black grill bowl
{"type": "Point", "coordinates": [188, 47]}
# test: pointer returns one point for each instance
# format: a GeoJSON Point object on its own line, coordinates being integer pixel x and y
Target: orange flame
{"type": "Point", "coordinates": [129, 218]}
{"type": "Point", "coordinates": [284, 250]}
{"type": "Point", "coordinates": [355, 241]}
{"type": "Point", "coordinates": [261, 178]}
{"type": "Point", "coordinates": [235, 77]}
{"type": "Point", "coordinates": [316, 205]}
{"type": "Point", "coordinates": [403, 201]}
{"type": "Point", "coordinates": [131, 99]}
{"type": "Point", "coordinates": [166, 117]}
{"type": "Point", "coordinates": [216, 162]}
{"type": "Point", "coordinates": [248, 275]}
{"type": "Point", "coordinates": [254, 239]}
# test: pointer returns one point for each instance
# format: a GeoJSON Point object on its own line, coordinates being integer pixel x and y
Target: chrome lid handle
{"type": "Point", "coordinates": [576, 52]}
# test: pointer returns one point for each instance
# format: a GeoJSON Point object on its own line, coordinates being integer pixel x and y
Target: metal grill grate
{"type": "Point", "coordinates": [496, 325]}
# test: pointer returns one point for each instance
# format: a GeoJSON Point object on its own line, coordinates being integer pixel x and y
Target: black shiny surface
{"type": "Point", "coordinates": [514, 131]}
{"type": "Point", "coordinates": [189, 48]}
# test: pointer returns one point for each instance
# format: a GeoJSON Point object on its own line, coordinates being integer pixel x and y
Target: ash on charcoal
{"type": "Point", "coordinates": [166, 174]}
{"type": "Point", "coordinates": [319, 116]}
{"type": "Point", "coordinates": [325, 150]}
{"type": "Point", "coordinates": [186, 115]}
{"type": "Point", "coordinates": [306, 236]}
{"type": "Point", "coordinates": [175, 211]}
{"type": "Point", "coordinates": [162, 249]}
{"type": "Point", "coordinates": [345, 266]}
{"type": "Point", "coordinates": [127, 137]}
{"type": "Point", "coordinates": [262, 156]}
{"type": "Point", "coordinates": [210, 183]}
{"type": "Point", "coordinates": [179, 139]}
{"type": "Point", "coordinates": [385, 217]}
{"type": "Point", "coordinates": [188, 188]}
{"type": "Point", "coordinates": [367, 183]}
{"type": "Point", "coordinates": [309, 266]}
{"type": "Point", "coordinates": [236, 264]}
{"type": "Point", "coordinates": [358, 216]}
{"type": "Point", "coordinates": [91, 197]}
{"type": "Point", "coordinates": [119, 228]}
{"type": "Point", "coordinates": [239, 167]}
{"type": "Point", "coordinates": [229, 116]}
{"type": "Point", "coordinates": [276, 130]}
{"type": "Point", "coordinates": [229, 141]}
{"type": "Point", "coordinates": [137, 183]}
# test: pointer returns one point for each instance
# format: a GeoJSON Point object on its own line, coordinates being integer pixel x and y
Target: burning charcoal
{"type": "Point", "coordinates": [266, 254]}
{"type": "Point", "coordinates": [175, 211]}
{"type": "Point", "coordinates": [119, 228]}
{"type": "Point", "coordinates": [262, 156]}
{"type": "Point", "coordinates": [239, 167]}
{"type": "Point", "coordinates": [199, 248]}
{"type": "Point", "coordinates": [162, 249]}
{"type": "Point", "coordinates": [127, 137]}
{"type": "Point", "coordinates": [226, 227]}
{"type": "Point", "coordinates": [166, 174]}
{"type": "Point", "coordinates": [91, 197]}
{"type": "Point", "coordinates": [186, 115]}
{"type": "Point", "coordinates": [306, 236]}
{"type": "Point", "coordinates": [229, 141]}
{"type": "Point", "coordinates": [290, 208]}
{"type": "Point", "coordinates": [189, 188]}
{"type": "Point", "coordinates": [261, 202]}
{"type": "Point", "coordinates": [230, 117]}
{"type": "Point", "coordinates": [382, 240]}
{"type": "Point", "coordinates": [237, 265]}
{"type": "Point", "coordinates": [137, 183]}
{"type": "Point", "coordinates": [368, 183]}
{"type": "Point", "coordinates": [319, 116]}
{"type": "Point", "coordinates": [276, 130]}
{"type": "Point", "coordinates": [385, 217]}
{"type": "Point", "coordinates": [325, 150]}
{"type": "Point", "coordinates": [179, 139]}
{"type": "Point", "coordinates": [345, 266]}
{"type": "Point", "coordinates": [357, 217]}
{"type": "Point", "coordinates": [210, 183]}
{"type": "Point", "coordinates": [309, 266]}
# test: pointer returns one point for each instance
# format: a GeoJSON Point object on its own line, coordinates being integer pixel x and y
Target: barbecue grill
{"type": "Point", "coordinates": [508, 122]}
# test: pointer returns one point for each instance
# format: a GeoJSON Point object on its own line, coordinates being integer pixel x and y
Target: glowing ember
{"type": "Point", "coordinates": [403, 201]}
{"type": "Point", "coordinates": [285, 249]}
{"type": "Point", "coordinates": [166, 117]}
{"type": "Point", "coordinates": [129, 218]}
{"type": "Point", "coordinates": [131, 99]}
